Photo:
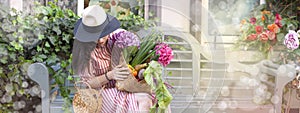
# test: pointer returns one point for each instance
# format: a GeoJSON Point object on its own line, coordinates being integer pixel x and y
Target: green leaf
{"type": "Point", "coordinates": [10, 66]}
{"type": "Point", "coordinates": [21, 58]}
{"type": "Point", "coordinates": [41, 37]}
{"type": "Point", "coordinates": [20, 39]}
{"type": "Point", "coordinates": [46, 50]}
{"type": "Point", "coordinates": [47, 44]}
{"type": "Point", "coordinates": [70, 13]}
{"type": "Point", "coordinates": [38, 48]}
{"type": "Point", "coordinates": [70, 77]}
{"type": "Point", "coordinates": [12, 56]}
{"type": "Point", "coordinates": [57, 49]}
{"type": "Point", "coordinates": [63, 64]}
{"type": "Point", "coordinates": [1, 70]}
{"type": "Point", "coordinates": [57, 30]}
{"type": "Point", "coordinates": [19, 19]}
{"type": "Point", "coordinates": [16, 45]}
{"type": "Point", "coordinates": [53, 40]}
{"type": "Point", "coordinates": [66, 37]}
{"type": "Point", "coordinates": [154, 71]}
{"type": "Point", "coordinates": [21, 91]}
{"type": "Point", "coordinates": [3, 60]}
{"type": "Point", "coordinates": [43, 56]}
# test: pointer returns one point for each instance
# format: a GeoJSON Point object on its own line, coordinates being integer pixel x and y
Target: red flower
{"type": "Point", "coordinates": [253, 20]}
{"type": "Point", "coordinates": [278, 20]}
{"type": "Point", "coordinates": [278, 16]}
{"type": "Point", "coordinates": [264, 37]}
{"type": "Point", "coordinates": [252, 37]}
{"type": "Point", "coordinates": [259, 29]}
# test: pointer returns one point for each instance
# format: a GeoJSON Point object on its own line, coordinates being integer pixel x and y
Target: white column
{"type": "Point", "coordinates": [80, 7]}
{"type": "Point", "coordinates": [146, 9]}
{"type": "Point", "coordinates": [204, 22]}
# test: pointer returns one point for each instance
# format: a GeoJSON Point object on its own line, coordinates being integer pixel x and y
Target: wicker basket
{"type": "Point", "coordinates": [87, 100]}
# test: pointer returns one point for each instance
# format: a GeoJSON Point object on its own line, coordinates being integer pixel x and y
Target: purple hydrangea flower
{"type": "Point", "coordinates": [124, 39]}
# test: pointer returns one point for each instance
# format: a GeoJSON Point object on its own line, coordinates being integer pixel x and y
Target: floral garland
{"type": "Point", "coordinates": [260, 31]}
{"type": "Point", "coordinates": [264, 31]}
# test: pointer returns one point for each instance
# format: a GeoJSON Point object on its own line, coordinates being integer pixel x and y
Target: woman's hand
{"type": "Point", "coordinates": [120, 72]}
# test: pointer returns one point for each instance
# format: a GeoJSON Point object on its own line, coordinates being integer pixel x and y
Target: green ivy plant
{"type": "Point", "coordinates": [55, 47]}
{"type": "Point", "coordinates": [16, 42]}
{"type": "Point", "coordinates": [46, 37]}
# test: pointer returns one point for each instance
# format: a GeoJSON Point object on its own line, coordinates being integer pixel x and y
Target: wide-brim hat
{"type": "Point", "coordinates": [94, 24]}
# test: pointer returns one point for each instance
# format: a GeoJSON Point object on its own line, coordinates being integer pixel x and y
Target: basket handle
{"type": "Point", "coordinates": [75, 85]}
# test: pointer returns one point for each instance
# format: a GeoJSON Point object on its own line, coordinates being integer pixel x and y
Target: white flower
{"type": "Point", "coordinates": [291, 40]}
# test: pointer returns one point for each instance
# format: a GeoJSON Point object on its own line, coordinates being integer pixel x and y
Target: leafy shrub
{"type": "Point", "coordinates": [46, 36]}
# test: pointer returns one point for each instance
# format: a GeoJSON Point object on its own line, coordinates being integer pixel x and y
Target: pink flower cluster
{"type": "Point", "coordinates": [165, 54]}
